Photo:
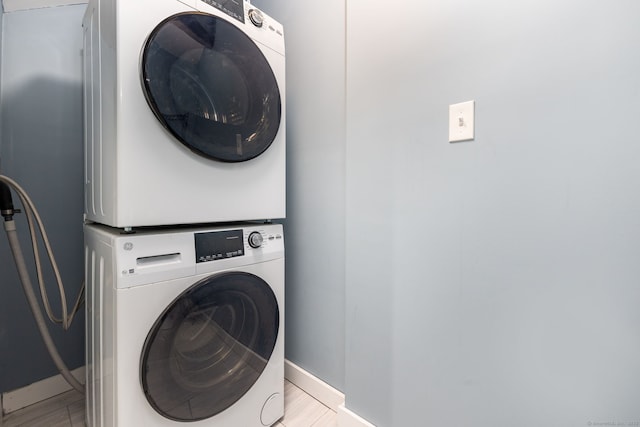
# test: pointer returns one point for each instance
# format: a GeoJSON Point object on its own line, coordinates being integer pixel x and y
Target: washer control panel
{"type": "Point", "coordinates": [224, 244]}
{"type": "Point", "coordinates": [233, 8]}
{"type": "Point", "coordinates": [215, 245]}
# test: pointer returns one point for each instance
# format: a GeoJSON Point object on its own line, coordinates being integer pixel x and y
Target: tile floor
{"type": "Point", "coordinates": [67, 410]}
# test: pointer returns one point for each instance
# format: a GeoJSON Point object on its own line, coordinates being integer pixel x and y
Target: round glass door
{"type": "Point", "coordinates": [211, 87]}
{"type": "Point", "coordinates": [209, 347]}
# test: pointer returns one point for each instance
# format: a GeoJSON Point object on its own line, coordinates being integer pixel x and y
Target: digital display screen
{"type": "Point", "coordinates": [233, 8]}
{"type": "Point", "coordinates": [217, 245]}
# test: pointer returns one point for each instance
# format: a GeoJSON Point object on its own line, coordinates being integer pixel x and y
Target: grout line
{"type": "Point", "coordinates": [313, 386]}
{"type": "Point", "coordinates": [38, 392]}
{"type": "Point", "coordinates": [314, 423]}
{"type": "Point", "coordinates": [68, 416]}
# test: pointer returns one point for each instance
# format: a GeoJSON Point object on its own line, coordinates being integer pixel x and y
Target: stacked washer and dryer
{"type": "Point", "coordinates": [184, 171]}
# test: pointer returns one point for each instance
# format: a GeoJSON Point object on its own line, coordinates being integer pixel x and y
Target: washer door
{"type": "Point", "coordinates": [211, 87]}
{"type": "Point", "coordinates": [209, 346]}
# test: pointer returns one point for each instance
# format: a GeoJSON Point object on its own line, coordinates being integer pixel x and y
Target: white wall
{"type": "Point", "coordinates": [41, 148]}
{"type": "Point", "coordinates": [493, 282]}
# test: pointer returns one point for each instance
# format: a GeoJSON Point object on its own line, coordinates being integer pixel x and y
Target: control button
{"type": "Point", "coordinates": [256, 17]}
{"type": "Point", "coordinates": [255, 239]}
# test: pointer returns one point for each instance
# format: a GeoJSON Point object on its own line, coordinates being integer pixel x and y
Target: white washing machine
{"type": "Point", "coordinates": [184, 112]}
{"type": "Point", "coordinates": [185, 326]}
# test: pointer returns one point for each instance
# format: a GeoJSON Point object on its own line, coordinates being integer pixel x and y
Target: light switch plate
{"type": "Point", "coordinates": [461, 121]}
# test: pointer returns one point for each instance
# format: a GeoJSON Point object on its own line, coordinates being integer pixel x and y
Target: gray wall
{"type": "Point", "coordinates": [41, 148]}
{"type": "Point", "coordinates": [314, 37]}
{"type": "Point", "coordinates": [494, 282]}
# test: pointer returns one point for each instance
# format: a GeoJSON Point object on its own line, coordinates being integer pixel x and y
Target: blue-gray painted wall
{"type": "Point", "coordinates": [41, 148]}
{"type": "Point", "coordinates": [315, 272]}
{"type": "Point", "coordinates": [494, 282]}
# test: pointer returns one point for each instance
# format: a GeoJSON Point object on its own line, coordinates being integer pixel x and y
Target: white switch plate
{"type": "Point", "coordinates": [461, 121]}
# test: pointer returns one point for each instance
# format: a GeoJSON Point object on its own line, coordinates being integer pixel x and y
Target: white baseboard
{"type": "Point", "coordinates": [38, 391]}
{"type": "Point", "coordinates": [313, 386]}
{"type": "Point", "coordinates": [15, 5]}
{"type": "Point", "coordinates": [346, 418]}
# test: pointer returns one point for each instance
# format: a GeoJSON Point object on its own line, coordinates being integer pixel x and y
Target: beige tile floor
{"type": "Point", "coordinates": [67, 410]}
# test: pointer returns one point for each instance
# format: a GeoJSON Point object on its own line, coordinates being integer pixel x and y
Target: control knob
{"type": "Point", "coordinates": [255, 239]}
{"type": "Point", "coordinates": [257, 18]}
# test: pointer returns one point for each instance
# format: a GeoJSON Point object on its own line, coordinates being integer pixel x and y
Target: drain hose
{"type": "Point", "coordinates": [10, 228]}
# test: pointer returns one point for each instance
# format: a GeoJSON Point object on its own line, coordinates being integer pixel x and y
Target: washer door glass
{"type": "Point", "coordinates": [209, 346]}
{"type": "Point", "coordinates": [211, 87]}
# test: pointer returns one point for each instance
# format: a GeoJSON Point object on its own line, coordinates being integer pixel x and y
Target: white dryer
{"type": "Point", "coordinates": [185, 326]}
{"type": "Point", "coordinates": [184, 112]}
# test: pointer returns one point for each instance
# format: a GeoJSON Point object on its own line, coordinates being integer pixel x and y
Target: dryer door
{"type": "Point", "coordinates": [209, 346]}
{"type": "Point", "coordinates": [211, 87]}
